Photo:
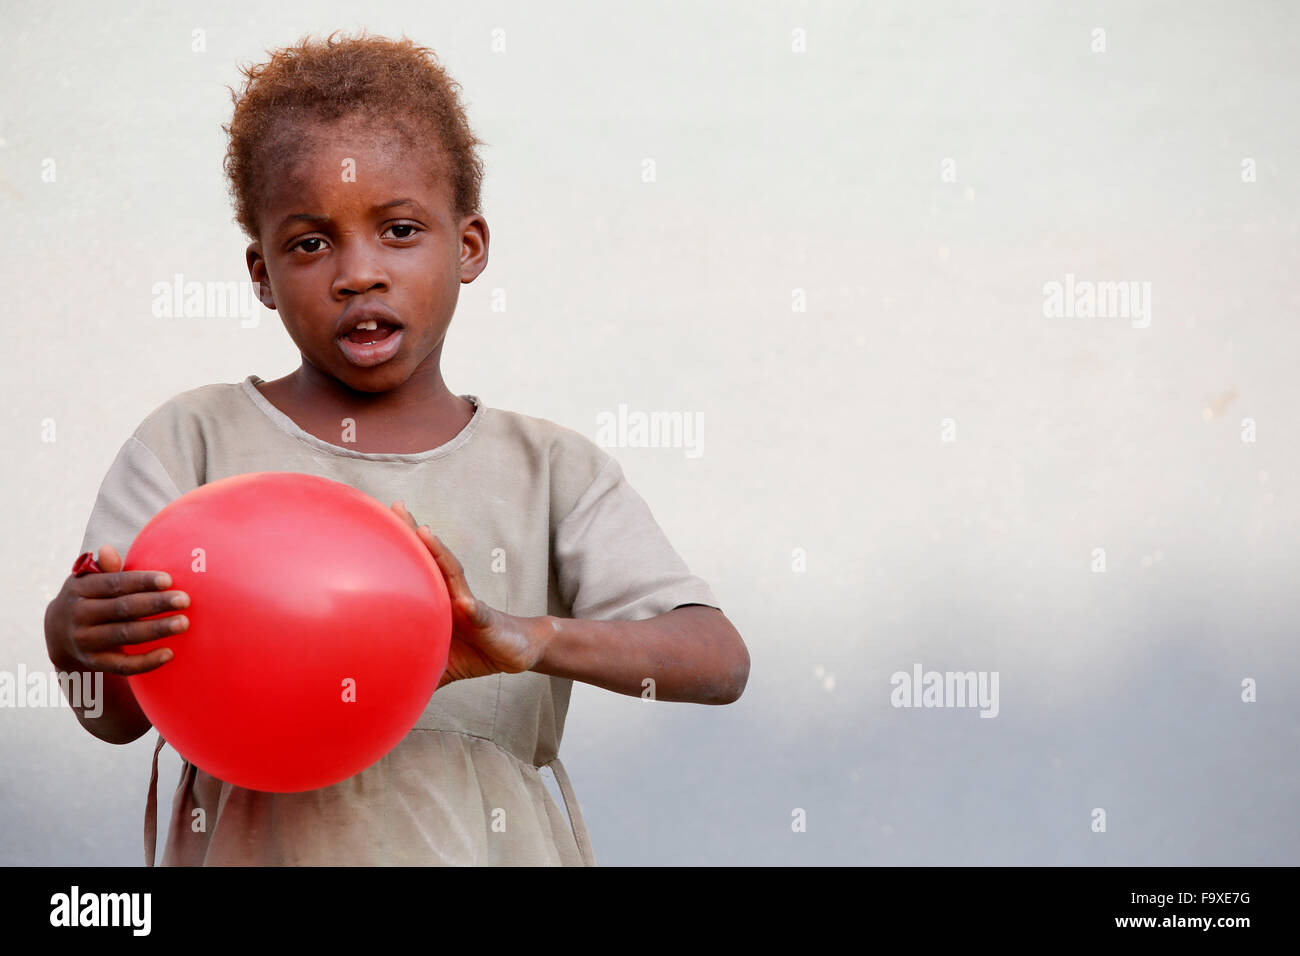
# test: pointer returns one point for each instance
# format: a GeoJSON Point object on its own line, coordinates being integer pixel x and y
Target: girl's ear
{"type": "Point", "coordinates": [257, 272]}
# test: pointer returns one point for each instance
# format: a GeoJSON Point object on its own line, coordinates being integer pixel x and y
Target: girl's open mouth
{"type": "Point", "coordinates": [365, 347]}
{"type": "Point", "coordinates": [371, 336]}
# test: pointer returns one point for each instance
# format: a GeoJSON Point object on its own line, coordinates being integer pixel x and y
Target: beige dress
{"type": "Point", "coordinates": [577, 541]}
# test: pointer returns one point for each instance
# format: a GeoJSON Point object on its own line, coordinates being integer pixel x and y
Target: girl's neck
{"type": "Point", "coordinates": [419, 415]}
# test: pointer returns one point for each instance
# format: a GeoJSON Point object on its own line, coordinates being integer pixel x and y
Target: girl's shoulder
{"type": "Point", "coordinates": [573, 461]}
{"type": "Point", "coordinates": [199, 401]}
{"type": "Point", "coordinates": [544, 435]}
{"type": "Point", "coordinates": [191, 410]}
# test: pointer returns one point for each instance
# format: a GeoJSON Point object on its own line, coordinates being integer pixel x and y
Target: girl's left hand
{"type": "Point", "coordinates": [484, 641]}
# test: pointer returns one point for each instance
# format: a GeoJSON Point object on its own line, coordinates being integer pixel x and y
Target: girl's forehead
{"type": "Point", "coordinates": [330, 185]}
{"type": "Point", "coordinates": [315, 164]}
{"type": "Point", "coordinates": [385, 142]}
{"type": "Point", "coordinates": [318, 147]}
{"type": "Point", "coordinates": [356, 160]}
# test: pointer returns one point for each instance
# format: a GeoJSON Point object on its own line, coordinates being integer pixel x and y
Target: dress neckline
{"type": "Point", "coordinates": [286, 424]}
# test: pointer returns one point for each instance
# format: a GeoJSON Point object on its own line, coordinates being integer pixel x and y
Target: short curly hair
{"type": "Point", "coordinates": [392, 82]}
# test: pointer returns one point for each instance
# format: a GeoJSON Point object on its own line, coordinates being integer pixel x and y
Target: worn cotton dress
{"type": "Point", "coordinates": [543, 521]}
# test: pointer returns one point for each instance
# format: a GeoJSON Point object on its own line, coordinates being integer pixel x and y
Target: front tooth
{"type": "Point", "coordinates": [369, 326]}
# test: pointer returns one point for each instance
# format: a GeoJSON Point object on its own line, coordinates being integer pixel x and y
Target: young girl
{"type": "Point", "coordinates": [354, 173]}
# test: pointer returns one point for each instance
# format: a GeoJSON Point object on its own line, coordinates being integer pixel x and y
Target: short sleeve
{"type": "Point", "coordinates": [135, 489]}
{"type": "Point", "coordinates": [613, 561]}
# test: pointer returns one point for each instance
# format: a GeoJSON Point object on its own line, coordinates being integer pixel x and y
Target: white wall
{"type": "Point", "coordinates": [776, 171]}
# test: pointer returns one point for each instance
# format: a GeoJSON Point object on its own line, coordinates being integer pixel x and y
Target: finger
{"type": "Point", "coordinates": [109, 559]}
{"type": "Point", "coordinates": [128, 664]}
{"type": "Point", "coordinates": [400, 508]}
{"type": "Point", "coordinates": [116, 583]}
{"type": "Point", "coordinates": [451, 568]}
{"type": "Point", "coordinates": [105, 637]}
{"type": "Point", "coordinates": [128, 607]}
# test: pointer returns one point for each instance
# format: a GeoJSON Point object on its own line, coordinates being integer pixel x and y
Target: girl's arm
{"type": "Point", "coordinates": [690, 654]}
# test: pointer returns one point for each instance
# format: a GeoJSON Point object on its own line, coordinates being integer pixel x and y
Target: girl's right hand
{"type": "Point", "coordinates": [94, 615]}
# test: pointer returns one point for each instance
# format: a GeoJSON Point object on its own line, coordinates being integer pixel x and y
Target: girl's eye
{"type": "Point", "coordinates": [403, 225]}
{"type": "Point", "coordinates": [303, 245]}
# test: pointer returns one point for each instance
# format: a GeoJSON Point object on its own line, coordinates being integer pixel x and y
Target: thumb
{"type": "Point", "coordinates": [109, 559]}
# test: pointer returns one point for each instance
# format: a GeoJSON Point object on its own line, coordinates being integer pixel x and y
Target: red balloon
{"type": "Point", "coordinates": [319, 629]}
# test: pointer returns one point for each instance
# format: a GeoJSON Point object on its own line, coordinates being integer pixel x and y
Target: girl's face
{"type": "Point", "coordinates": [355, 229]}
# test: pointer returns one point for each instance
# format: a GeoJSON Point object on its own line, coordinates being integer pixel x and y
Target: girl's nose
{"type": "Point", "coordinates": [360, 270]}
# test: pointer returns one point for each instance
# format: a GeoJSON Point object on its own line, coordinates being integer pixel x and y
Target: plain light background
{"type": "Point", "coordinates": [776, 171]}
